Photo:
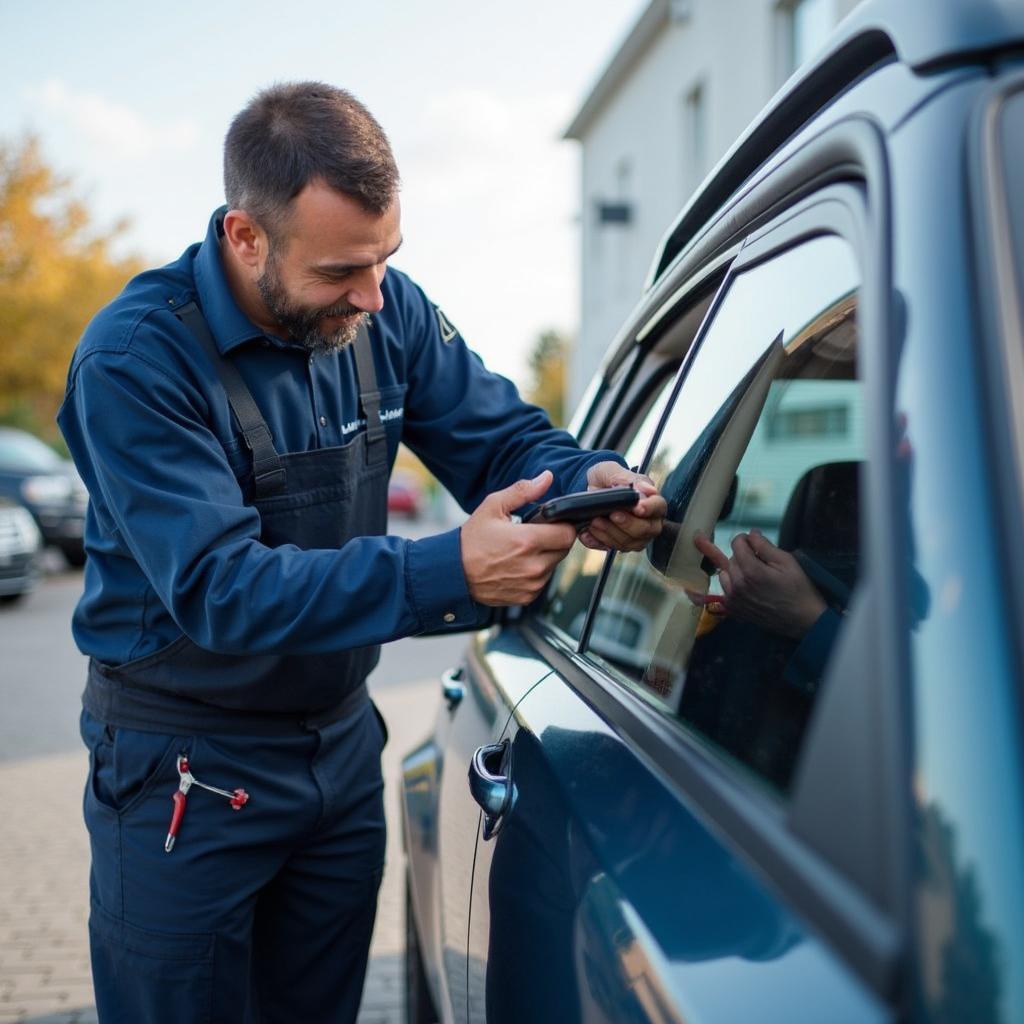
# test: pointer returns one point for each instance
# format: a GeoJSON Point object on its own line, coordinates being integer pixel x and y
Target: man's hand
{"type": "Point", "coordinates": [764, 584]}
{"type": "Point", "coordinates": [508, 563]}
{"type": "Point", "coordinates": [628, 529]}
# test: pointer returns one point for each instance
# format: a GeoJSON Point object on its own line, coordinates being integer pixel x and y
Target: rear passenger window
{"type": "Point", "coordinates": [762, 455]}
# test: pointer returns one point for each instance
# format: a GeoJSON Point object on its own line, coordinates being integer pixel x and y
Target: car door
{"type": "Point", "coordinates": [533, 902]}
{"type": "Point", "coordinates": [478, 697]}
{"type": "Point", "coordinates": [668, 850]}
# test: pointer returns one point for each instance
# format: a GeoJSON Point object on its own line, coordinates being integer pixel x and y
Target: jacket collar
{"type": "Point", "coordinates": [229, 325]}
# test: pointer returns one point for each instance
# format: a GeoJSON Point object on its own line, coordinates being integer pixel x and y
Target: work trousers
{"type": "Point", "coordinates": [261, 914]}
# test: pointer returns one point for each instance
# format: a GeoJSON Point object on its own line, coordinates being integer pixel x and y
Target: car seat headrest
{"type": "Point", "coordinates": [822, 513]}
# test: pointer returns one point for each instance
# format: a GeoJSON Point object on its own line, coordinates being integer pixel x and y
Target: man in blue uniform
{"type": "Point", "coordinates": [235, 416]}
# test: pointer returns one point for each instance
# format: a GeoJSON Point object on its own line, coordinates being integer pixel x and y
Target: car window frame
{"type": "Point", "coordinates": [640, 392]}
{"type": "Point", "coordinates": [620, 403]}
{"type": "Point", "coordinates": [828, 216]}
{"type": "Point", "coordinates": [628, 378]}
{"type": "Point", "coordinates": [870, 938]}
{"type": "Point", "coordinates": [998, 227]}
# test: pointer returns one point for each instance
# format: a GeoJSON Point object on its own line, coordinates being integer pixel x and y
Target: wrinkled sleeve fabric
{"type": "Point", "coordinates": [469, 425]}
{"type": "Point", "coordinates": [807, 663]}
{"type": "Point", "coordinates": [168, 493]}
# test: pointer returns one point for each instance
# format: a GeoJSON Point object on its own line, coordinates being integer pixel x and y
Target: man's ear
{"type": "Point", "coordinates": [247, 240]}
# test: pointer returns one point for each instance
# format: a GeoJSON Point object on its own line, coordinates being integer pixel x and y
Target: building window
{"type": "Point", "coordinates": [805, 25]}
{"type": "Point", "coordinates": [695, 139]}
{"type": "Point", "coordinates": [822, 422]}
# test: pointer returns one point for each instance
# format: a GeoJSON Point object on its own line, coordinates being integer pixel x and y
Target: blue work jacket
{"type": "Point", "coordinates": [173, 547]}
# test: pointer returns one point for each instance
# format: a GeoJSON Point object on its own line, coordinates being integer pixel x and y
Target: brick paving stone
{"type": "Point", "coordinates": [78, 1015]}
{"type": "Point", "coordinates": [409, 711]}
{"type": "Point", "coordinates": [44, 870]}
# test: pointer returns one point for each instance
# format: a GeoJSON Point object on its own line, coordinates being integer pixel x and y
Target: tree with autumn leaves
{"type": "Point", "coordinates": [547, 363]}
{"type": "Point", "coordinates": [56, 271]}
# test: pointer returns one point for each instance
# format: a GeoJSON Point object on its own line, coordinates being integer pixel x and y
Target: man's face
{"type": "Point", "coordinates": [322, 276]}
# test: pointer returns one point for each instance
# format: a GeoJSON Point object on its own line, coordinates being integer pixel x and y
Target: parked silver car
{"type": "Point", "coordinates": [34, 475]}
{"type": "Point", "coordinates": [20, 543]}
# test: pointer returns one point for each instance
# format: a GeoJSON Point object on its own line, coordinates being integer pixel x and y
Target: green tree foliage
{"type": "Point", "coordinates": [56, 271]}
{"type": "Point", "coordinates": [547, 374]}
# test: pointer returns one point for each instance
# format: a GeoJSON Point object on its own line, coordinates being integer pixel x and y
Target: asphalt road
{"type": "Point", "coordinates": [42, 672]}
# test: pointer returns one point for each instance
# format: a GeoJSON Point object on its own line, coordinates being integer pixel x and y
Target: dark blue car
{"type": "Point", "coordinates": [805, 803]}
{"type": "Point", "coordinates": [35, 476]}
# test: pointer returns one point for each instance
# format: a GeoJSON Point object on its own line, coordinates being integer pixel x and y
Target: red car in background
{"type": "Point", "coordinates": [405, 496]}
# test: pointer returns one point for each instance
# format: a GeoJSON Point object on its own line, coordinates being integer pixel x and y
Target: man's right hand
{"type": "Point", "coordinates": [505, 562]}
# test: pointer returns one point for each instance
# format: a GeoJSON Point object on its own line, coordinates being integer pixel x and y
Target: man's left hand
{"type": "Point", "coordinates": [628, 529]}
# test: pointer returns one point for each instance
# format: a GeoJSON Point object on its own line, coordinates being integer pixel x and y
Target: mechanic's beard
{"type": "Point", "coordinates": [302, 324]}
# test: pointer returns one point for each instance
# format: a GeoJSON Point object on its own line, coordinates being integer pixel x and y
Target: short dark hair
{"type": "Point", "coordinates": [297, 132]}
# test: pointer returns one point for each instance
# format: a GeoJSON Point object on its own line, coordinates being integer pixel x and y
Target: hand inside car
{"type": "Point", "coordinates": [629, 529]}
{"type": "Point", "coordinates": [505, 562]}
{"type": "Point", "coordinates": [764, 584]}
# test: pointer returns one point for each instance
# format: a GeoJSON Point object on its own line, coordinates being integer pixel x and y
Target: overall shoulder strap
{"type": "Point", "coordinates": [369, 398]}
{"type": "Point", "coordinates": [268, 472]}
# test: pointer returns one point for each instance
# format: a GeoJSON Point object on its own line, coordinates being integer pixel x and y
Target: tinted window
{"type": "Point", "coordinates": [765, 435]}
{"type": "Point", "coordinates": [568, 598]}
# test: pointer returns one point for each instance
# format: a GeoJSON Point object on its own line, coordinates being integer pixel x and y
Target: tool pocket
{"type": "Point", "coordinates": [125, 764]}
{"type": "Point", "coordinates": [144, 975]}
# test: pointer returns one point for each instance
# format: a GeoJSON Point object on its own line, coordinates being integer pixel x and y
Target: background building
{"type": "Point", "coordinates": [686, 81]}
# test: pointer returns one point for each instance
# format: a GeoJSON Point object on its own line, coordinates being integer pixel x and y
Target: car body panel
{"type": "Point", "coordinates": [963, 29]}
{"type": "Point", "coordinates": [500, 668]}
{"type": "Point", "coordinates": [888, 96]}
{"type": "Point", "coordinates": [612, 900]}
{"type": "Point", "coordinates": [968, 885]}
{"type": "Point", "coordinates": [612, 892]}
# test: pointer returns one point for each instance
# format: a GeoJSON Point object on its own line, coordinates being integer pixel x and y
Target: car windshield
{"type": "Point", "coordinates": [23, 453]}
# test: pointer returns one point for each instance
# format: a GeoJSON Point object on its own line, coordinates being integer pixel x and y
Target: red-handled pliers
{"type": "Point", "coordinates": [180, 798]}
{"type": "Point", "coordinates": [237, 798]}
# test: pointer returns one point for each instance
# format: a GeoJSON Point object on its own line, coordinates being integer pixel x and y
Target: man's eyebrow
{"type": "Point", "coordinates": [344, 268]}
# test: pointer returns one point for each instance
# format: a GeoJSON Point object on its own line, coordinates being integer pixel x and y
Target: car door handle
{"type": "Point", "coordinates": [490, 783]}
{"type": "Point", "coordinates": [452, 688]}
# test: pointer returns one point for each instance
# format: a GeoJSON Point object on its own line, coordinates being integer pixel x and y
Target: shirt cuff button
{"type": "Point", "coordinates": [449, 616]}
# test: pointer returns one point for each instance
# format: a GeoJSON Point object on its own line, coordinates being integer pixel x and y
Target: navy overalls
{"type": "Point", "coordinates": [263, 913]}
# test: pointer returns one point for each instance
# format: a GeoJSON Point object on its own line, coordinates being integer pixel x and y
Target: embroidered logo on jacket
{"type": "Point", "coordinates": [447, 331]}
{"type": "Point", "coordinates": [386, 416]}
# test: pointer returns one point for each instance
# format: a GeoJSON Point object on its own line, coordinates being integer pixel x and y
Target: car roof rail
{"type": "Point", "coordinates": [923, 34]}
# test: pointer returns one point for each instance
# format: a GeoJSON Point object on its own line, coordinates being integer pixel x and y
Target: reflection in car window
{"type": "Point", "coordinates": [766, 436]}
{"type": "Point", "coordinates": [568, 599]}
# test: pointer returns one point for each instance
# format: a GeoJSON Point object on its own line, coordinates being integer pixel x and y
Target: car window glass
{"type": "Point", "coordinates": [765, 435]}
{"type": "Point", "coordinates": [23, 453]}
{"type": "Point", "coordinates": [568, 597]}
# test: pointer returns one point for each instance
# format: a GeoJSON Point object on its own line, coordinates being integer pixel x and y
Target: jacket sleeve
{"type": "Point", "coordinates": [164, 491]}
{"type": "Point", "coordinates": [469, 425]}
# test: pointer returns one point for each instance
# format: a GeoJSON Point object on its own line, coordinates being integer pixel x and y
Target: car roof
{"type": "Point", "coordinates": [925, 35]}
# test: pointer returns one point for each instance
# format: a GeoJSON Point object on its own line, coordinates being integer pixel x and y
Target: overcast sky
{"type": "Point", "coordinates": [133, 100]}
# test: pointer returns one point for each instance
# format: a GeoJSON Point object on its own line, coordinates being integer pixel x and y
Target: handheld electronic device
{"type": "Point", "coordinates": [583, 506]}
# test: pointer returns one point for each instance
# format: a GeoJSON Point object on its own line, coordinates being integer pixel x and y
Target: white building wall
{"type": "Point", "coordinates": [639, 147]}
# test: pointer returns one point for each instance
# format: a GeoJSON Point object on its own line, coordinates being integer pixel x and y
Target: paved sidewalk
{"type": "Point", "coordinates": [44, 867]}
